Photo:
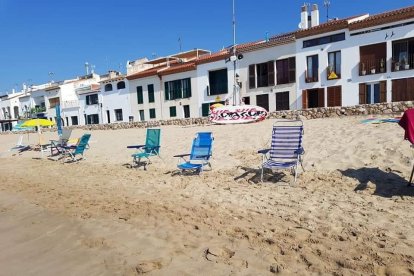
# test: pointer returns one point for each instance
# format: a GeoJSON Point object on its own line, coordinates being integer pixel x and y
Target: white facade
{"type": "Point", "coordinates": [140, 111]}
{"type": "Point", "coordinates": [116, 102]}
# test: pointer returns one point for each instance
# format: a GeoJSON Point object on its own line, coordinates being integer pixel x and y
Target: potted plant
{"type": "Point", "coordinates": [382, 65]}
{"type": "Point", "coordinates": [372, 69]}
{"type": "Point", "coordinates": [405, 63]}
{"type": "Point", "coordinates": [363, 71]}
{"type": "Point", "coordinates": [397, 66]}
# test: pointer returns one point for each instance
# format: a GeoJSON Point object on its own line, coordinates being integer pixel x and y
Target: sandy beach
{"type": "Point", "coordinates": [350, 212]}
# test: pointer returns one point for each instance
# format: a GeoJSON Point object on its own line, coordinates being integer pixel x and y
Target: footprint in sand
{"type": "Point", "coordinates": [145, 267]}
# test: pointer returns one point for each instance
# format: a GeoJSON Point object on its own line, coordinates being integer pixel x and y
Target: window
{"type": "Point", "coordinates": [120, 85]}
{"type": "Point", "coordinates": [92, 119]}
{"type": "Point", "coordinates": [178, 89]}
{"type": "Point", "coordinates": [312, 63]}
{"type": "Point", "coordinates": [140, 96]}
{"type": "Point", "coordinates": [118, 114]}
{"type": "Point", "coordinates": [372, 58]}
{"type": "Point", "coordinates": [151, 96]}
{"type": "Point", "coordinates": [334, 65]}
{"type": "Point", "coordinates": [313, 98]}
{"type": "Point", "coordinates": [218, 83]}
{"type": "Point", "coordinates": [263, 101]}
{"type": "Point", "coordinates": [54, 102]}
{"type": "Point", "coordinates": [108, 87]}
{"type": "Point", "coordinates": [323, 40]}
{"type": "Point", "coordinates": [152, 113]}
{"type": "Point", "coordinates": [373, 92]}
{"type": "Point", "coordinates": [173, 111]}
{"type": "Point", "coordinates": [264, 73]}
{"type": "Point", "coordinates": [186, 109]}
{"type": "Point", "coordinates": [403, 90]}
{"type": "Point", "coordinates": [334, 96]}
{"type": "Point", "coordinates": [286, 70]}
{"type": "Point", "coordinates": [282, 101]}
{"type": "Point", "coordinates": [141, 115]}
{"type": "Point", "coordinates": [74, 120]}
{"type": "Point", "coordinates": [92, 99]}
{"type": "Point", "coordinates": [403, 54]}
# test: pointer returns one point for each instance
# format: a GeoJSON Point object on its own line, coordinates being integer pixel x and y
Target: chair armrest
{"type": "Point", "coordinates": [182, 155]}
{"type": "Point", "coordinates": [153, 147]}
{"type": "Point", "coordinates": [263, 151]}
{"type": "Point", "coordinates": [69, 147]}
{"type": "Point", "coordinates": [135, 147]}
{"type": "Point", "coordinates": [300, 151]}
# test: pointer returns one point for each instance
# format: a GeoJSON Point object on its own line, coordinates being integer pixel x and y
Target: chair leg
{"type": "Point", "coordinates": [411, 177]}
{"type": "Point", "coordinates": [261, 176]}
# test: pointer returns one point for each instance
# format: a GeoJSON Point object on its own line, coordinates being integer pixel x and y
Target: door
{"type": "Point", "coordinates": [108, 116]}
{"type": "Point", "coordinates": [246, 100]}
{"type": "Point", "coordinates": [141, 115]}
{"type": "Point", "coordinates": [315, 98]}
{"type": "Point", "coordinates": [282, 101]}
{"type": "Point", "coordinates": [186, 109]}
{"type": "Point", "coordinates": [263, 101]}
{"type": "Point", "coordinates": [334, 96]}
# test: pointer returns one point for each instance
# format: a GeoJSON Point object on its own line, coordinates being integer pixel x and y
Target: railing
{"type": "Point", "coordinates": [331, 74]}
{"type": "Point", "coordinates": [403, 64]}
{"type": "Point", "coordinates": [372, 66]}
{"type": "Point", "coordinates": [311, 78]}
{"type": "Point", "coordinates": [70, 104]}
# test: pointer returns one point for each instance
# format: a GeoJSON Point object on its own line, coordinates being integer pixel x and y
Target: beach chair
{"type": "Point", "coordinates": [70, 152]}
{"type": "Point", "coordinates": [286, 147]}
{"type": "Point", "coordinates": [151, 148]}
{"type": "Point", "coordinates": [56, 146]}
{"type": "Point", "coordinates": [199, 157]}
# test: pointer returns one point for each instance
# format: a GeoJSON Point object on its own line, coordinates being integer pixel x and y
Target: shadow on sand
{"type": "Point", "coordinates": [252, 175]}
{"type": "Point", "coordinates": [387, 184]}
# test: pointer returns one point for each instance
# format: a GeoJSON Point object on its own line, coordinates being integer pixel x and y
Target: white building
{"type": "Point", "coordinates": [116, 102]}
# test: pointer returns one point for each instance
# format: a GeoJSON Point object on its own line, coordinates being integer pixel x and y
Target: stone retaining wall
{"type": "Point", "coordinates": [311, 113]}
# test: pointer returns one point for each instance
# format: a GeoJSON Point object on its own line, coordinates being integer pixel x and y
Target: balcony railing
{"type": "Point", "coordinates": [372, 66]}
{"type": "Point", "coordinates": [331, 74]}
{"type": "Point", "coordinates": [311, 78]}
{"type": "Point", "coordinates": [403, 64]}
{"type": "Point", "coordinates": [70, 104]}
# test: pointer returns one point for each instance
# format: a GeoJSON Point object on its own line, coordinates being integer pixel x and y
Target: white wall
{"type": "Point", "coordinates": [116, 99]}
{"type": "Point", "coordinates": [158, 97]}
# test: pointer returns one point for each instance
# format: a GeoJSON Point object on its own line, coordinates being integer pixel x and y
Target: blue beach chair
{"type": "Point", "coordinates": [151, 148]}
{"type": "Point", "coordinates": [200, 154]}
{"type": "Point", "coordinates": [71, 152]}
{"type": "Point", "coordinates": [286, 148]}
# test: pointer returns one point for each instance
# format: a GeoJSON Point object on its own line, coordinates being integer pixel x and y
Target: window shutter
{"type": "Point", "coordinates": [362, 93]}
{"type": "Point", "coordinates": [167, 94]}
{"type": "Point", "coordinates": [279, 71]}
{"type": "Point", "coordinates": [292, 69]}
{"type": "Point", "coordinates": [321, 97]}
{"type": "Point", "coordinates": [331, 96]}
{"type": "Point", "coordinates": [410, 89]}
{"type": "Point", "coordinates": [252, 76]}
{"type": "Point", "coordinates": [271, 73]}
{"type": "Point", "coordinates": [383, 91]}
{"type": "Point", "coordinates": [304, 99]}
{"type": "Point", "coordinates": [205, 109]}
{"type": "Point", "coordinates": [338, 96]}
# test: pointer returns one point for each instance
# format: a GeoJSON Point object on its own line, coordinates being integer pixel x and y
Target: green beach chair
{"type": "Point", "coordinates": [151, 148]}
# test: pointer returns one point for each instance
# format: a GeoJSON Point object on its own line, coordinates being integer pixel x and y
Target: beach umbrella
{"type": "Point", "coordinates": [216, 105]}
{"type": "Point", "coordinates": [38, 123]}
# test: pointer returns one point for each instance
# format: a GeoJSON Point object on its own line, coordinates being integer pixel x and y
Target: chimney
{"type": "Point", "coordinates": [304, 18]}
{"type": "Point", "coordinates": [314, 16]}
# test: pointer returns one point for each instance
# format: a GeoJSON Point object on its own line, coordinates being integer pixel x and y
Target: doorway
{"type": "Point", "coordinates": [108, 116]}
{"type": "Point", "coordinates": [263, 101]}
{"type": "Point", "coordinates": [186, 109]}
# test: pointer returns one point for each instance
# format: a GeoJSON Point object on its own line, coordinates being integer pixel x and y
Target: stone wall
{"type": "Point", "coordinates": [311, 113]}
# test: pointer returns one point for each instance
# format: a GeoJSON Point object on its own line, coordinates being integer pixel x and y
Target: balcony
{"type": "Point", "coordinates": [372, 66]}
{"type": "Point", "coordinates": [331, 74]}
{"type": "Point", "coordinates": [403, 63]}
{"type": "Point", "coordinates": [311, 77]}
{"type": "Point", "coordinates": [70, 104]}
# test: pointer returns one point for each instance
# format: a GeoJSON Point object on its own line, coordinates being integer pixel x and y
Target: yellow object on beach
{"type": "Point", "coordinates": [37, 122]}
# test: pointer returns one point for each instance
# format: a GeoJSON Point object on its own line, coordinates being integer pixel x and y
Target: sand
{"type": "Point", "coordinates": [350, 212]}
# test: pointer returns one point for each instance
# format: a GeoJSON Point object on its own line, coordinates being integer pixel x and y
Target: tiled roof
{"type": "Point", "coordinates": [221, 55]}
{"type": "Point", "coordinates": [178, 68]}
{"type": "Point", "coordinates": [273, 41]}
{"type": "Point", "coordinates": [383, 18]}
{"type": "Point", "coordinates": [330, 26]}
{"type": "Point", "coordinates": [146, 73]}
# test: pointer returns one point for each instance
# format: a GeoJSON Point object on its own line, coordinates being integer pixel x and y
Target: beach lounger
{"type": "Point", "coordinates": [286, 147]}
{"type": "Point", "coordinates": [199, 157]}
{"type": "Point", "coordinates": [56, 146]}
{"type": "Point", "coordinates": [151, 148]}
{"type": "Point", "coordinates": [71, 152]}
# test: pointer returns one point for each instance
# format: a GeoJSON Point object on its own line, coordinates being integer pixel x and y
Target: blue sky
{"type": "Point", "coordinates": [59, 36]}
